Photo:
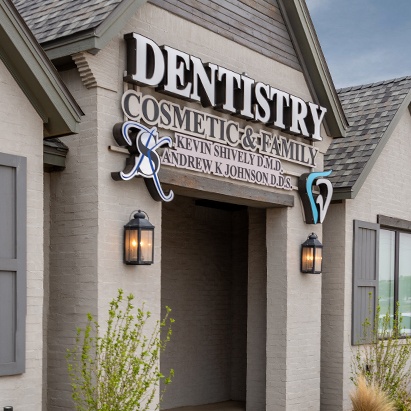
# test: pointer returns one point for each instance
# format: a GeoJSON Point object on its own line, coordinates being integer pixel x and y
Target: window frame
{"type": "Point", "coordinates": [400, 229]}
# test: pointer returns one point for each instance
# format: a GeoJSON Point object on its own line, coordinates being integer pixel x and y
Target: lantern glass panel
{"type": "Point", "coordinates": [131, 245]}
{"type": "Point", "coordinates": [146, 245]}
{"type": "Point", "coordinates": [308, 258]}
{"type": "Point", "coordinates": [318, 259]}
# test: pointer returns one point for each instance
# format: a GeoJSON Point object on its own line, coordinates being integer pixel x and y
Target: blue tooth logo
{"type": "Point", "coordinates": [142, 143]}
{"type": "Point", "coordinates": [315, 209]}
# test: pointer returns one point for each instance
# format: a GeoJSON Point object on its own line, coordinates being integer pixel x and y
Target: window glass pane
{"type": "Point", "coordinates": [404, 285]}
{"type": "Point", "coordinates": [386, 272]}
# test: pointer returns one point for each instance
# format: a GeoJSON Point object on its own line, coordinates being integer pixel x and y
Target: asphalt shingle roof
{"type": "Point", "coordinates": [52, 19]}
{"type": "Point", "coordinates": [369, 110]}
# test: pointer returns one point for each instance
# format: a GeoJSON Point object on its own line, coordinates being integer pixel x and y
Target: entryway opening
{"type": "Point", "coordinates": [204, 281]}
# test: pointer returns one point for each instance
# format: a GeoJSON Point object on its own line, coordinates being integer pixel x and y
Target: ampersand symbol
{"type": "Point", "coordinates": [248, 141]}
{"type": "Point", "coordinates": [143, 160]}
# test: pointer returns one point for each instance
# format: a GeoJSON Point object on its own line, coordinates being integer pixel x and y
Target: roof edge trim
{"type": "Point", "coordinates": [314, 64]}
{"type": "Point", "coordinates": [66, 46]}
{"type": "Point", "coordinates": [344, 193]}
{"type": "Point", "coordinates": [36, 75]}
{"type": "Point", "coordinates": [95, 39]}
{"type": "Point", "coordinates": [54, 158]}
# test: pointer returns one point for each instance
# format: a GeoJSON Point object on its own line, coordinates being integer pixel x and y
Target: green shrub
{"type": "Point", "coordinates": [119, 370]}
{"type": "Point", "coordinates": [384, 361]}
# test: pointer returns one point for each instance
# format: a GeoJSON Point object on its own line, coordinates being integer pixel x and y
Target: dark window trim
{"type": "Point", "coordinates": [398, 226]}
{"type": "Point", "coordinates": [394, 223]}
{"type": "Point", "coordinates": [20, 263]}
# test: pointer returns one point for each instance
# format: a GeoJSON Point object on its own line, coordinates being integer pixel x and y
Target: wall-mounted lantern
{"type": "Point", "coordinates": [139, 240]}
{"type": "Point", "coordinates": [311, 255]}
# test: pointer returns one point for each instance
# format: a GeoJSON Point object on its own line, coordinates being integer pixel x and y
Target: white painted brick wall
{"type": "Point", "coordinates": [73, 239]}
{"type": "Point", "coordinates": [277, 284]}
{"type": "Point", "coordinates": [22, 134]}
{"type": "Point", "coordinates": [197, 283]}
{"type": "Point", "coordinates": [239, 305]}
{"type": "Point", "coordinates": [46, 186]}
{"type": "Point", "coordinates": [333, 336]}
{"type": "Point", "coordinates": [257, 310]}
{"type": "Point", "coordinates": [386, 191]}
{"type": "Point", "coordinates": [89, 211]}
{"type": "Point", "coordinates": [293, 314]}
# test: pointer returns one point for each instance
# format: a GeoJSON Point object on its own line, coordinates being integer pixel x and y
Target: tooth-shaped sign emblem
{"type": "Point", "coordinates": [315, 209]}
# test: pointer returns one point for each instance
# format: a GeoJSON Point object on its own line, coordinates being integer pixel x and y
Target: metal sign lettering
{"type": "Point", "coordinates": [208, 157]}
{"type": "Point", "coordinates": [187, 120]}
{"type": "Point", "coordinates": [174, 72]}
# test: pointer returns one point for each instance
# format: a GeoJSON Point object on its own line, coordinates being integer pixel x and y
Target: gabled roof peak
{"type": "Point", "coordinates": [67, 27]}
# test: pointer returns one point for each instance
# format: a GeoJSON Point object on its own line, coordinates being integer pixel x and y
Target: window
{"type": "Point", "coordinates": [12, 264]}
{"type": "Point", "coordinates": [381, 269]}
{"type": "Point", "coordinates": [395, 274]}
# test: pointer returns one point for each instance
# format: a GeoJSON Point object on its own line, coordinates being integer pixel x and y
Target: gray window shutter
{"type": "Point", "coordinates": [365, 278]}
{"type": "Point", "coordinates": [12, 264]}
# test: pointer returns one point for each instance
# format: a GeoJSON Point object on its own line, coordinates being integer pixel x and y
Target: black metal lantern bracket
{"type": "Point", "coordinates": [138, 239]}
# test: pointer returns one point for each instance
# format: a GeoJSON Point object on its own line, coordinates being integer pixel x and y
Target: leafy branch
{"type": "Point", "coordinates": [384, 361]}
{"type": "Point", "coordinates": [120, 369]}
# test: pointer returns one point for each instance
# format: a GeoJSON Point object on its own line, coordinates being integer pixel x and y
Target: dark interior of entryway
{"type": "Point", "coordinates": [204, 281]}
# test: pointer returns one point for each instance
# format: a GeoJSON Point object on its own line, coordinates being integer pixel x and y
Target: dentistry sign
{"type": "Point", "coordinates": [208, 141]}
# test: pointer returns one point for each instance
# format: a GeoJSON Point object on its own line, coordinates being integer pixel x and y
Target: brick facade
{"type": "Point", "coordinates": [385, 191]}
{"type": "Point", "coordinates": [22, 135]}
{"type": "Point", "coordinates": [247, 321]}
{"type": "Point", "coordinates": [86, 258]}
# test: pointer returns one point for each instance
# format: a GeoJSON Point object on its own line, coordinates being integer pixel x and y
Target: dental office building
{"type": "Point", "coordinates": [220, 121]}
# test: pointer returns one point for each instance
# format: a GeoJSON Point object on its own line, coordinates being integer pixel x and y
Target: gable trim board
{"type": "Point", "coordinates": [36, 75]}
{"type": "Point", "coordinates": [315, 67]}
{"type": "Point", "coordinates": [341, 193]}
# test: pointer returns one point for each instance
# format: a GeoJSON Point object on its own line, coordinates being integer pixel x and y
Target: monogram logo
{"type": "Point", "coordinates": [142, 143]}
{"type": "Point", "coordinates": [315, 205]}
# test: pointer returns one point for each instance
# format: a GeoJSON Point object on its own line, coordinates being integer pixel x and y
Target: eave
{"type": "Point", "coordinates": [54, 155]}
{"type": "Point", "coordinates": [95, 39]}
{"type": "Point", "coordinates": [315, 68]}
{"type": "Point", "coordinates": [36, 75]}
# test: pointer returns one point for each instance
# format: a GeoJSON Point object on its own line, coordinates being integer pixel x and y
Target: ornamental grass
{"type": "Point", "coordinates": [369, 397]}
